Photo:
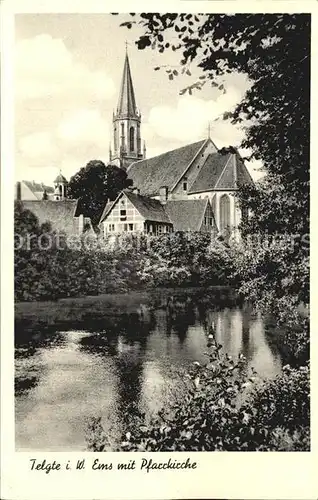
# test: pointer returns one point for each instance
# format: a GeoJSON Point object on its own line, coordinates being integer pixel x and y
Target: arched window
{"type": "Point", "coordinates": [122, 135]}
{"type": "Point", "coordinates": [132, 138]}
{"type": "Point", "coordinates": [225, 216]}
{"type": "Point", "coordinates": [213, 205]}
{"type": "Point", "coordinates": [115, 139]}
{"type": "Point", "coordinates": [60, 188]}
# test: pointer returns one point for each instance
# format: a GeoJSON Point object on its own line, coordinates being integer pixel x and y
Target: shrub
{"type": "Point", "coordinates": [219, 410]}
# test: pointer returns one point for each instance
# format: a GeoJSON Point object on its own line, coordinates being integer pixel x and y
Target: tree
{"type": "Point", "coordinates": [95, 184]}
{"type": "Point", "coordinates": [273, 50]}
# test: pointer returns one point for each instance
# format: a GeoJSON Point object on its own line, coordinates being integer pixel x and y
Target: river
{"type": "Point", "coordinates": [106, 357]}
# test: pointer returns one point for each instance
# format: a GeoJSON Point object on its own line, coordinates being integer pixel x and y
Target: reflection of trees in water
{"type": "Point", "coordinates": [107, 331]}
{"type": "Point", "coordinates": [180, 314]}
{"type": "Point", "coordinates": [124, 338]}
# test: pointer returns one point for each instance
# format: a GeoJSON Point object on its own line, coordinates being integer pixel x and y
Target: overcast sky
{"type": "Point", "coordinates": [68, 72]}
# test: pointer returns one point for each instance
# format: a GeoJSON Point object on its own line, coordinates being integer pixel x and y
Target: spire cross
{"type": "Point", "coordinates": [209, 130]}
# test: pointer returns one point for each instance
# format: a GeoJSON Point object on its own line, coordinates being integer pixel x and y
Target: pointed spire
{"type": "Point", "coordinates": [126, 102]}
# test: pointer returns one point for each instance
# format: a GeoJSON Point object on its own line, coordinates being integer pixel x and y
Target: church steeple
{"type": "Point", "coordinates": [127, 102]}
{"type": "Point", "coordinates": [126, 123]}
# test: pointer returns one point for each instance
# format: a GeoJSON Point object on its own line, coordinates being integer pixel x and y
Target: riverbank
{"type": "Point", "coordinates": [133, 304]}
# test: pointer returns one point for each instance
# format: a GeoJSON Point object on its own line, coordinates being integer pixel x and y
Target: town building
{"type": "Point", "coordinates": [52, 207]}
{"type": "Point", "coordinates": [133, 213]}
{"type": "Point", "coordinates": [30, 190]}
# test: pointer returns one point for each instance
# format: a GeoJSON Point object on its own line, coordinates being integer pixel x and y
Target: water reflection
{"type": "Point", "coordinates": [115, 365]}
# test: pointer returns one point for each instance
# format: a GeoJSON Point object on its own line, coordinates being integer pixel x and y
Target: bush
{"type": "Point", "coordinates": [130, 262]}
{"type": "Point", "coordinates": [219, 410]}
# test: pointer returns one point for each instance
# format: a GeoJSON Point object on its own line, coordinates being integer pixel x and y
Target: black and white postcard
{"type": "Point", "coordinates": [156, 172]}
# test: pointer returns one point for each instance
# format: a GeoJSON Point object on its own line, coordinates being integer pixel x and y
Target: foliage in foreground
{"type": "Point", "coordinates": [222, 411]}
{"type": "Point", "coordinates": [96, 268]}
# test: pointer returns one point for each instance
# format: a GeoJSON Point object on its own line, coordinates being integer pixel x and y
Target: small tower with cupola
{"type": "Point", "coordinates": [60, 188]}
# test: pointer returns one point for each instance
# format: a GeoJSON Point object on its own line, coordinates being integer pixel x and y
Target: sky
{"type": "Point", "coordinates": [68, 69]}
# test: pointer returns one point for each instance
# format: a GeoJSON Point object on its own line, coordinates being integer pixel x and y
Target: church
{"type": "Point", "coordinates": [190, 188]}
{"type": "Point", "coordinates": [194, 184]}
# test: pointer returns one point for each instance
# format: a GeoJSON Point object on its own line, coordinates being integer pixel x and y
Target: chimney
{"type": "Point", "coordinates": [163, 193]}
{"type": "Point", "coordinates": [18, 190]}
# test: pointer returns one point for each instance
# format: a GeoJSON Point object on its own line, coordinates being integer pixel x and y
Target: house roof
{"type": "Point", "coordinates": [106, 210]}
{"type": "Point", "coordinates": [60, 214]}
{"type": "Point", "coordinates": [163, 170]}
{"type": "Point", "coordinates": [126, 102]}
{"type": "Point", "coordinates": [186, 215]}
{"type": "Point", "coordinates": [149, 208]}
{"type": "Point", "coordinates": [37, 187]}
{"type": "Point", "coordinates": [221, 171]}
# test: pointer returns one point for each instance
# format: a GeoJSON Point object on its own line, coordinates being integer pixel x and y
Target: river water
{"type": "Point", "coordinates": [104, 358]}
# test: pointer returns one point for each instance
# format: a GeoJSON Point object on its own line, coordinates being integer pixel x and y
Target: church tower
{"type": "Point", "coordinates": [126, 124]}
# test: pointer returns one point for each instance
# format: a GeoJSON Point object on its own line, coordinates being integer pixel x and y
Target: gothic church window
{"type": "Point", "coordinates": [185, 184]}
{"type": "Point", "coordinates": [122, 134]}
{"type": "Point", "coordinates": [224, 212]}
{"type": "Point", "coordinates": [132, 139]}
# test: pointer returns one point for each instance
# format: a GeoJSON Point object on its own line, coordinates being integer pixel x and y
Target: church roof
{"type": "Point", "coordinates": [186, 215]}
{"type": "Point", "coordinates": [126, 102]}
{"type": "Point", "coordinates": [60, 214]}
{"type": "Point", "coordinates": [162, 170]}
{"type": "Point", "coordinates": [221, 171]}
